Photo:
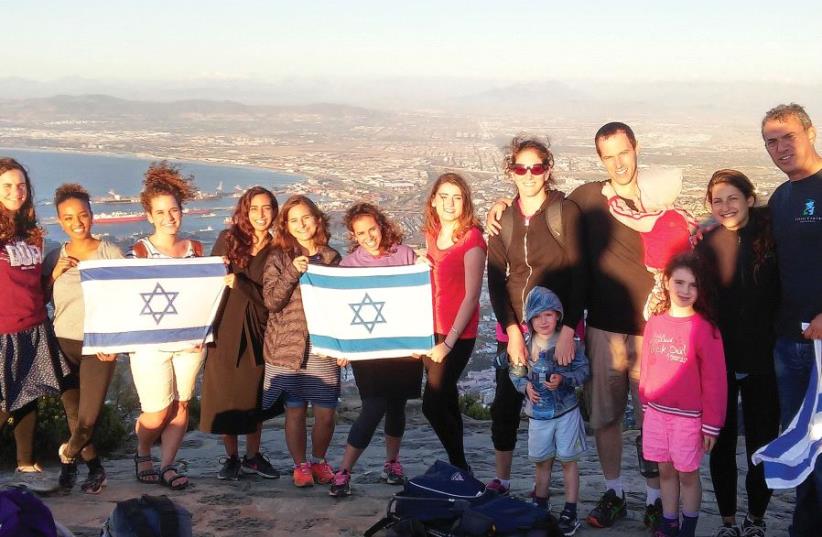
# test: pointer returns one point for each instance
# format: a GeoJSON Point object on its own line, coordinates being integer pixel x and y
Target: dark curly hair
{"type": "Point", "coordinates": [22, 224]}
{"type": "Point", "coordinates": [68, 191]}
{"type": "Point", "coordinates": [163, 178]}
{"type": "Point", "coordinates": [703, 304]}
{"type": "Point", "coordinates": [283, 239]}
{"type": "Point", "coordinates": [390, 231]}
{"type": "Point", "coordinates": [431, 222]}
{"type": "Point", "coordinates": [520, 143]}
{"type": "Point", "coordinates": [240, 237]}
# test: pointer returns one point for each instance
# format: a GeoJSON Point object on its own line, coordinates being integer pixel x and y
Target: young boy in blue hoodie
{"type": "Point", "coordinates": [555, 428]}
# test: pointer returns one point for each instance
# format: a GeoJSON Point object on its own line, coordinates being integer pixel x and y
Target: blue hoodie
{"type": "Point", "coordinates": [564, 398]}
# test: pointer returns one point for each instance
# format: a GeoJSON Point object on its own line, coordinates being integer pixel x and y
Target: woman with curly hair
{"type": "Point", "coordinates": [86, 386]}
{"type": "Point", "coordinates": [164, 379]}
{"type": "Point", "coordinates": [292, 372]}
{"type": "Point", "coordinates": [385, 385]}
{"type": "Point", "coordinates": [230, 403]}
{"type": "Point", "coordinates": [456, 252]}
{"type": "Point", "coordinates": [31, 365]}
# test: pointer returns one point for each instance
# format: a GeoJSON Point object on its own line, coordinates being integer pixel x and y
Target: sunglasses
{"type": "Point", "coordinates": [535, 169]}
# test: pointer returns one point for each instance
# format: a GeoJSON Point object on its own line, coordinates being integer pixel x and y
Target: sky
{"type": "Point", "coordinates": [617, 40]}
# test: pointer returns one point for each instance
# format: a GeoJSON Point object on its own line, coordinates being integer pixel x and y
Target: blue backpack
{"type": "Point", "coordinates": [148, 516]}
{"type": "Point", "coordinates": [22, 513]}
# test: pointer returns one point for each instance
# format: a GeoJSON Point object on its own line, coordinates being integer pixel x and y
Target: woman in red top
{"type": "Point", "coordinates": [456, 251]}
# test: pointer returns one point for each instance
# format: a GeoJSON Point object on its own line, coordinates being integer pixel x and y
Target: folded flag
{"type": "Point", "coordinates": [791, 457]}
{"type": "Point", "coordinates": [366, 313]}
{"type": "Point", "coordinates": [150, 304]}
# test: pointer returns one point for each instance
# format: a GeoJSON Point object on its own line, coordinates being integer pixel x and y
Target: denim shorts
{"type": "Point", "coordinates": [562, 438]}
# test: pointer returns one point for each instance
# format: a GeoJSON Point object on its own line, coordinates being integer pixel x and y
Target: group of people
{"type": "Point", "coordinates": [682, 320]}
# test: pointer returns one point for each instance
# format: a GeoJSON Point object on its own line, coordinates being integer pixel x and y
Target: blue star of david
{"type": "Point", "coordinates": [357, 309]}
{"type": "Point", "coordinates": [158, 314]}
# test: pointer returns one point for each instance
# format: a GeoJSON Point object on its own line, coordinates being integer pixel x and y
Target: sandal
{"type": "Point", "coordinates": [149, 477]}
{"type": "Point", "coordinates": [174, 482]}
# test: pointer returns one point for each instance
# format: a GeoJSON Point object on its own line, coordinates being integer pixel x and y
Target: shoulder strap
{"type": "Point", "coordinates": [165, 508]}
{"type": "Point", "coordinates": [553, 215]}
{"type": "Point", "coordinates": [140, 249]}
{"type": "Point", "coordinates": [197, 246]}
{"type": "Point", "coordinates": [506, 231]}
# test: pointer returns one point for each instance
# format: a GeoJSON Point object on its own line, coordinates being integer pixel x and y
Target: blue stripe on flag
{"type": "Point", "coordinates": [145, 337]}
{"type": "Point", "coordinates": [365, 282]}
{"type": "Point", "coordinates": [794, 470]}
{"type": "Point", "coordinates": [144, 272]}
{"type": "Point", "coordinates": [788, 439]}
{"type": "Point", "coordinates": [373, 344]}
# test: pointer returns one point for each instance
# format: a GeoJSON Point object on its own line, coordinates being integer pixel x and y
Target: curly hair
{"type": "Point", "coordinates": [164, 179]}
{"type": "Point", "coordinates": [760, 218]}
{"type": "Point", "coordinates": [240, 237]}
{"type": "Point", "coordinates": [467, 220]}
{"type": "Point", "coordinates": [703, 304]}
{"type": "Point", "coordinates": [22, 224]}
{"type": "Point", "coordinates": [68, 191]}
{"type": "Point", "coordinates": [522, 142]}
{"type": "Point", "coordinates": [283, 239]}
{"type": "Point", "coordinates": [390, 231]}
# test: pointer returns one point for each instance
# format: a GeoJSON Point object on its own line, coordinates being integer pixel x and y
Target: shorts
{"type": "Point", "coordinates": [562, 438]}
{"type": "Point", "coordinates": [615, 366]}
{"type": "Point", "coordinates": [317, 382]}
{"type": "Point", "coordinates": [162, 377]}
{"type": "Point", "coordinates": [672, 438]}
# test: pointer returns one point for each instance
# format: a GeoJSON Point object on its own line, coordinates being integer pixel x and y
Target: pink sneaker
{"type": "Point", "coordinates": [302, 475]}
{"type": "Point", "coordinates": [341, 484]}
{"type": "Point", "coordinates": [392, 473]}
{"type": "Point", "coordinates": [497, 486]}
{"type": "Point", "coordinates": [322, 472]}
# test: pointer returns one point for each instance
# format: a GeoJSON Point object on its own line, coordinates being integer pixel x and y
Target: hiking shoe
{"type": "Point", "coordinates": [95, 480]}
{"type": "Point", "coordinates": [497, 486]}
{"type": "Point", "coordinates": [568, 524]}
{"type": "Point", "coordinates": [322, 472]}
{"type": "Point", "coordinates": [608, 510]}
{"type": "Point", "coordinates": [230, 469]}
{"type": "Point", "coordinates": [728, 530]}
{"type": "Point", "coordinates": [392, 473]}
{"type": "Point", "coordinates": [653, 515]}
{"type": "Point", "coordinates": [68, 475]}
{"type": "Point", "coordinates": [753, 528]}
{"type": "Point", "coordinates": [259, 465]}
{"type": "Point", "coordinates": [341, 484]}
{"type": "Point", "coordinates": [302, 475]}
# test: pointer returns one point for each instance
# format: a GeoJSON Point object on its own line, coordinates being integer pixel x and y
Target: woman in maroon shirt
{"type": "Point", "coordinates": [456, 251]}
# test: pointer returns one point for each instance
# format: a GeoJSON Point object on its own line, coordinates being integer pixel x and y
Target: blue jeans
{"type": "Point", "coordinates": [793, 363]}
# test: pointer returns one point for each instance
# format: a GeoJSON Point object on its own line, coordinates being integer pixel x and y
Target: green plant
{"type": "Point", "coordinates": [471, 406]}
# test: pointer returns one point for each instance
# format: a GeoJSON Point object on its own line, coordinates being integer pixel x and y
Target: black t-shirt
{"type": "Point", "coordinates": [618, 282]}
{"type": "Point", "coordinates": [796, 209]}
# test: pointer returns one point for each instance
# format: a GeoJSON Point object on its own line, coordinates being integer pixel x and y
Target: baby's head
{"type": "Point", "coordinates": [543, 311]}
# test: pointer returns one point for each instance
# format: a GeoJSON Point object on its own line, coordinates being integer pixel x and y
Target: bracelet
{"type": "Point", "coordinates": [447, 346]}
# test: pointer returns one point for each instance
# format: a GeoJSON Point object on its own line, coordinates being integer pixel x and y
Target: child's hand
{"type": "Point", "coordinates": [532, 394]}
{"type": "Point", "coordinates": [708, 442]}
{"type": "Point", "coordinates": [553, 381]}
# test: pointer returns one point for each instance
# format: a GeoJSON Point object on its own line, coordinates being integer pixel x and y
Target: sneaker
{"type": "Point", "coordinates": [95, 480]}
{"type": "Point", "coordinates": [259, 465]}
{"type": "Point", "coordinates": [341, 484]}
{"type": "Point", "coordinates": [608, 510]}
{"type": "Point", "coordinates": [230, 469]}
{"type": "Point", "coordinates": [728, 530]}
{"type": "Point", "coordinates": [753, 528]}
{"type": "Point", "coordinates": [392, 473]}
{"type": "Point", "coordinates": [322, 472]}
{"type": "Point", "coordinates": [497, 486]}
{"type": "Point", "coordinates": [302, 475]}
{"type": "Point", "coordinates": [653, 515]}
{"type": "Point", "coordinates": [568, 524]}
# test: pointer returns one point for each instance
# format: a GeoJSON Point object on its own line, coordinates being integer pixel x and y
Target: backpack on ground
{"type": "Point", "coordinates": [22, 513]}
{"type": "Point", "coordinates": [148, 516]}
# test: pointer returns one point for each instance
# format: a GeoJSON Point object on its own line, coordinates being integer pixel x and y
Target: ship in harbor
{"type": "Point", "coordinates": [114, 197]}
{"type": "Point", "coordinates": [123, 217]}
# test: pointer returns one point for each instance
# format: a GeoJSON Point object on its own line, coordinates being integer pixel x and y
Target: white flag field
{"type": "Point", "coordinates": [150, 304]}
{"type": "Point", "coordinates": [791, 457]}
{"type": "Point", "coordinates": [367, 313]}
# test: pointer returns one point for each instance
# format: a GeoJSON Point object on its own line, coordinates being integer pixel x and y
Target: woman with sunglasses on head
{"type": "Point", "coordinates": [232, 382]}
{"type": "Point", "coordinates": [456, 252]}
{"type": "Point", "coordinates": [385, 385]}
{"type": "Point", "coordinates": [536, 246]}
{"type": "Point", "coordinates": [164, 379]}
{"type": "Point", "coordinates": [86, 387]}
{"type": "Point", "coordinates": [292, 371]}
{"type": "Point", "coordinates": [31, 365]}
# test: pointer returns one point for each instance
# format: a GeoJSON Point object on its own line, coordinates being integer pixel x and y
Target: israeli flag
{"type": "Point", "coordinates": [366, 313]}
{"type": "Point", "coordinates": [791, 457]}
{"type": "Point", "coordinates": [150, 304]}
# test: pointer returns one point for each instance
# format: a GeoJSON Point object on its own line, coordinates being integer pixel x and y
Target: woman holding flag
{"type": "Point", "coordinates": [291, 370]}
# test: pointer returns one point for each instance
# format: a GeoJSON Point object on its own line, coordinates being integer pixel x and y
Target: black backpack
{"type": "Point", "coordinates": [148, 516]}
{"type": "Point", "coordinates": [552, 215]}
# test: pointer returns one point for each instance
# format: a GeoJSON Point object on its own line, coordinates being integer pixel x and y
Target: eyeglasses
{"type": "Point", "coordinates": [535, 169]}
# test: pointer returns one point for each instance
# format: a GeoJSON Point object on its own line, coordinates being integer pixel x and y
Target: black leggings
{"type": "Point", "coordinates": [372, 411]}
{"type": "Point", "coordinates": [25, 422]}
{"type": "Point", "coordinates": [506, 409]}
{"type": "Point", "coordinates": [84, 395]}
{"type": "Point", "coordinates": [760, 405]}
{"type": "Point", "coordinates": [440, 402]}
